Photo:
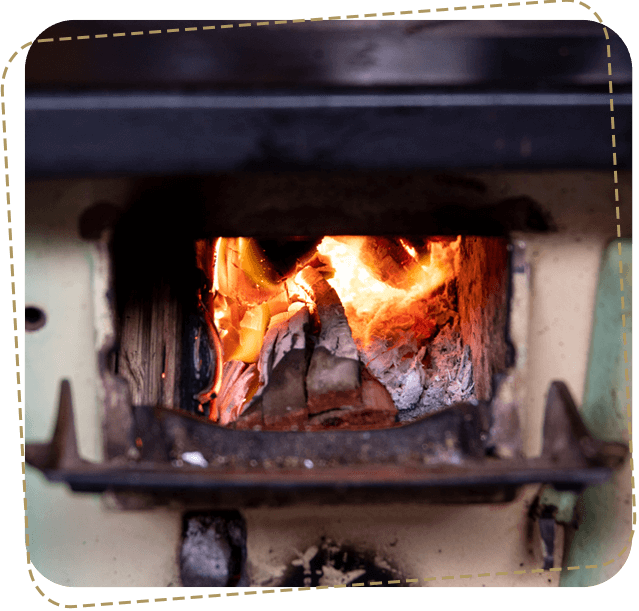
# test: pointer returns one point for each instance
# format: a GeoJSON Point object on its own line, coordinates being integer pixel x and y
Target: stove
{"type": "Point", "coordinates": [313, 315]}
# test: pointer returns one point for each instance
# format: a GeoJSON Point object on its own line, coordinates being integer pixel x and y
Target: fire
{"type": "Point", "coordinates": [243, 283]}
{"type": "Point", "coordinates": [380, 291]}
{"type": "Point", "coordinates": [409, 248]}
{"type": "Point", "coordinates": [372, 305]}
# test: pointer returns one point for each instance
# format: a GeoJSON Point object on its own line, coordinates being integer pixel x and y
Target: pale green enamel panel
{"type": "Point", "coordinates": [604, 411]}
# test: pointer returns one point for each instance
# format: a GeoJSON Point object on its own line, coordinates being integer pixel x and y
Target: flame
{"type": "Point", "coordinates": [243, 297]}
{"type": "Point", "coordinates": [247, 296]}
{"type": "Point", "coordinates": [243, 283]}
{"type": "Point", "coordinates": [408, 248]}
{"type": "Point", "coordinates": [373, 306]}
{"type": "Point", "coordinates": [300, 290]}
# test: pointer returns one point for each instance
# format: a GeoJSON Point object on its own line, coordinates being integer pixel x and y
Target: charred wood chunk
{"type": "Point", "coordinates": [332, 382]}
{"type": "Point", "coordinates": [251, 418]}
{"type": "Point", "coordinates": [376, 410]}
{"type": "Point", "coordinates": [281, 338]}
{"type": "Point", "coordinates": [388, 260]}
{"type": "Point", "coordinates": [284, 399]}
{"type": "Point", "coordinates": [379, 408]}
{"type": "Point", "coordinates": [335, 335]}
{"type": "Point", "coordinates": [333, 377]}
{"type": "Point", "coordinates": [280, 402]}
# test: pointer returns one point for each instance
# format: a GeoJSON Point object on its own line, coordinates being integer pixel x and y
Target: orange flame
{"type": "Point", "coordinates": [244, 282]}
{"type": "Point", "coordinates": [247, 296]}
{"type": "Point", "coordinates": [372, 305]}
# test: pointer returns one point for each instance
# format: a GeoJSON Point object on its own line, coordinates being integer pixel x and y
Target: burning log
{"type": "Point", "coordinates": [282, 336]}
{"type": "Point", "coordinates": [423, 363]}
{"type": "Point", "coordinates": [284, 401]}
{"type": "Point", "coordinates": [376, 410]}
{"type": "Point", "coordinates": [282, 365]}
{"type": "Point", "coordinates": [389, 260]}
{"type": "Point", "coordinates": [334, 373]}
{"type": "Point", "coordinates": [390, 303]}
{"type": "Point", "coordinates": [243, 284]}
{"type": "Point", "coordinates": [238, 379]}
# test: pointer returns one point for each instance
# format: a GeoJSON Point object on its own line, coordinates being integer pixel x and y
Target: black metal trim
{"type": "Point", "coordinates": [187, 133]}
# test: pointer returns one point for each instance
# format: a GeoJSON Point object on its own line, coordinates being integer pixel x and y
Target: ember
{"type": "Point", "coordinates": [363, 332]}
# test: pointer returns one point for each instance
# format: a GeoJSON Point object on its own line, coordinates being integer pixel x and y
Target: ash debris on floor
{"type": "Point", "coordinates": [331, 564]}
{"type": "Point", "coordinates": [213, 551]}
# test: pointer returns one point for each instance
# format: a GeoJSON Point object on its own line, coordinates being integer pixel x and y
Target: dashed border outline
{"type": "Point", "coordinates": [336, 18]}
{"type": "Point", "coordinates": [372, 583]}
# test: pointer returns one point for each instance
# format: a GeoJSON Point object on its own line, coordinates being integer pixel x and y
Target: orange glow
{"type": "Point", "coordinates": [299, 290]}
{"type": "Point", "coordinates": [373, 306]}
{"type": "Point", "coordinates": [243, 282]}
{"type": "Point", "coordinates": [409, 249]}
{"type": "Point", "coordinates": [248, 297]}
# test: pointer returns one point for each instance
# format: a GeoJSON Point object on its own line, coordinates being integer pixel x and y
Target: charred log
{"type": "Point", "coordinates": [388, 260]}
{"type": "Point", "coordinates": [334, 372]}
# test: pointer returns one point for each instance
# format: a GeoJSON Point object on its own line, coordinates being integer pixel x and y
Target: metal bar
{"type": "Point", "coordinates": [148, 101]}
{"type": "Point", "coordinates": [168, 478]}
{"type": "Point", "coordinates": [256, 465]}
{"type": "Point", "coordinates": [535, 56]}
{"type": "Point", "coordinates": [94, 135]}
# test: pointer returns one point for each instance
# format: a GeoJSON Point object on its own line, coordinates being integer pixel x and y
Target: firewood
{"type": "Point", "coordinates": [335, 335]}
{"type": "Point", "coordinates": [150, 349]}
{"type": "Point", "coordinates": [388, 260]}
{"type": "Point", "coordinates": [284, 399]}
{"type": "Point", "coordinates": [281, 337]}
{"type": "Point", "coordinates": [376, 410]}
{"type": "Point", "coordinates": [236, 383]}
{"type": "Point", "coordinates": [280, 402]}
{"type": "Point", "coordinates": [333, 377]}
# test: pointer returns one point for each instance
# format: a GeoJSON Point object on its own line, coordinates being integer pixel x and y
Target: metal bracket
{"type": "Point", "coordinates": [440, 458]}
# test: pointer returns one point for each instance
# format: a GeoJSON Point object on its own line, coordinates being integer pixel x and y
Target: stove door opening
{"type": "Point", "coordinates": [313, 333]}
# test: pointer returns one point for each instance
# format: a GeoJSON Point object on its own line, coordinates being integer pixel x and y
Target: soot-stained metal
{"type": "Point", "coordinates": [440, 458]}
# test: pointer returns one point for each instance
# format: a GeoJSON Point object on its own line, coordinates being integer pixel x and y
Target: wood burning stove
{"type": "Point", "coordinates": [232, 381]}
{"type": "Point", "coordinates": [340, 315]}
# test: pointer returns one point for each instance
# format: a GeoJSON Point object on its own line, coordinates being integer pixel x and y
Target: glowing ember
{"type": "Point", "coordinates": [243, 283]}
{"type": "Point", "coordinates": [409, 249]}
{"type": "Point", "coordinates": [382, 284]}
{"type": "Point", "coordinates": [373, 307]}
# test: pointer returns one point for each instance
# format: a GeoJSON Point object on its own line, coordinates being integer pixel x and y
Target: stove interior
{"type": "Point", "coordinates": [307, 333]}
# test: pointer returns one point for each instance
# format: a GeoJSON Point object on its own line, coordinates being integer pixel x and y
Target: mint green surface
{"type": "Point", "coordinates": [604, 411]}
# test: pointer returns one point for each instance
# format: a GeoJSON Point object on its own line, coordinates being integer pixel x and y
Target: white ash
{"type": "Point", "coordinates": [291, 335]}
{"type": "Point", "coordinates": [404, 378]}
{"type": "Point", "coordinates": [305, 558]}
{"type": "Point", "coordinates": [448, 381]}
{"type": "Point", "coordinates": [417, 390]}
{"type": "Point", "coordinates": [333, 577]}
{"type": "Point", "coordinates": [195, 458]}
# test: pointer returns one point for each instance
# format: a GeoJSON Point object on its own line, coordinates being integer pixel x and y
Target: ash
{"type": "Point", "coordinates": [331, 564]}
{"type": "Point", "coordinates": [424, 373]}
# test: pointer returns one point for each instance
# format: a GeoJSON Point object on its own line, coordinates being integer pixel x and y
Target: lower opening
{"type": "Point", "coordinates": [312, 333]}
